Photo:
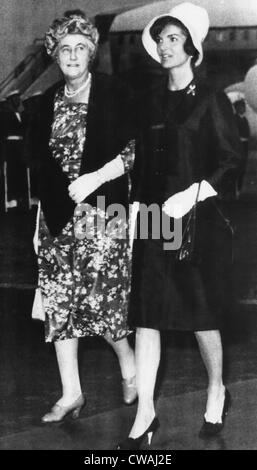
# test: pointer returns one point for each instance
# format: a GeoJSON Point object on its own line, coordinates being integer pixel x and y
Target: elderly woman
{"type": "Point", "coordinates": [83, 151]}
{"type": "Point", "coordinates": [187, 151]}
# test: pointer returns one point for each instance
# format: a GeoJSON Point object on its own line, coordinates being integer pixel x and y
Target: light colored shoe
{"type": "Point", "coordinates": [58, 412]}
{"type": "Point", "coordinates": [129, 390]}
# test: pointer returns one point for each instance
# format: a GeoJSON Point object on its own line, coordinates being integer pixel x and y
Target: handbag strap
{"type": "Point", "coordinates": [192, 213]}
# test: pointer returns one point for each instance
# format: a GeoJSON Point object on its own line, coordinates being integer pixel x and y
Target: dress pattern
{"type": "Point", "coordinates": [84, 280]}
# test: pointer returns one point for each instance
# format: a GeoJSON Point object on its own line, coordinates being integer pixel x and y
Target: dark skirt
{"type": "Point", "coordinates": [167, 294]}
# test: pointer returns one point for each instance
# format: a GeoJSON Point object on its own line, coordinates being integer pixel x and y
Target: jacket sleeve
{"type": "Point", "coordinates": [52, 182]}
{"type": "Point", "coordinates": [37, 130]}
{"type": "Point", "coordinates": [31, 140]}
{"type": "Point", "coordinates": [226, 143]}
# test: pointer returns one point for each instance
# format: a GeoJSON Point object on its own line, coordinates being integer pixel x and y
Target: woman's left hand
{"type": "Point", "coordinates": [180, 204]}
{"type": "Point", "coordinates": [83, 186]}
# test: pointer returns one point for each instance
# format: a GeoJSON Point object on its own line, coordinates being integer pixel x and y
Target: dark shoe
{"type": "Point", "coordinates": [58, 412]}
{"type": "Point", "coordinates": [129, 390]}
{"type": "Point", "coordinates": [212, 429]}
{"type": "Point", "coordinates": [133, 444]}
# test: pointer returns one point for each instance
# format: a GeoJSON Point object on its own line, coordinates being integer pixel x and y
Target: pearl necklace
{"type": "Point", "coordinates": [71, 94]}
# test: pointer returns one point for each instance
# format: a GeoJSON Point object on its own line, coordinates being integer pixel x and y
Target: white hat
{"type": "Point", "coordinates": [193, 17]}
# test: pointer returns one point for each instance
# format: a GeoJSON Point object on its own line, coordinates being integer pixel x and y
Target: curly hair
{"type": "Point", "coordinates": [71, 24]}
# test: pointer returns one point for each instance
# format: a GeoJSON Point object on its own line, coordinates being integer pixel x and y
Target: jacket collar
{"type": "Point", "coordinates": [156, 103]}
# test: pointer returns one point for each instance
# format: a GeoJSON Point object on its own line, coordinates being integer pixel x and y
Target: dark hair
{"type": "Point", "coordinates": [164, 21]}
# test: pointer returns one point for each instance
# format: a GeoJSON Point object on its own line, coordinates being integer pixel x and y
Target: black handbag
{"type": "Point", "coordinates": [186, 252]}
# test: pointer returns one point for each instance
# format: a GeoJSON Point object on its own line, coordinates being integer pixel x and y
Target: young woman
{"type": "Point", "coordinates": [188, 138]}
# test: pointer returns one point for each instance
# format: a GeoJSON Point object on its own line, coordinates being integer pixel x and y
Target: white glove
{"type": "Point", "coordinates": [86, 184]}
{"type": "Point", "coordinates": [133, 210]}
{"type": "Point", "coordinates": [111, 170]}
{"type": "Point", "coordinates": [83, 186]}
{"type": "Point", "coordinates": [181, 203]}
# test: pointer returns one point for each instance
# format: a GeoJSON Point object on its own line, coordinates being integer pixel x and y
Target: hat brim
{"type": "Point", "coordinates": [151, 46]}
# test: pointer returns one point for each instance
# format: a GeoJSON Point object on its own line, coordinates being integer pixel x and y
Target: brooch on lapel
{"type": "Point", "coordinates": [191, 90]}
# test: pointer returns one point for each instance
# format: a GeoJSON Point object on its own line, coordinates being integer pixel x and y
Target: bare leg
{"type": "Point", "coordinates": [67, 358]}
{"type": "Point", "coordinates": [212, 354]}
{"type": "Point", "coordinates": [125, 356]}
{"type": "Point", "coordinates": [147, 362]}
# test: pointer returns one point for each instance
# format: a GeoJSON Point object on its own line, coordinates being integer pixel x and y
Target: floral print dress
{"type": "Point", "coordinates": [85, 281]}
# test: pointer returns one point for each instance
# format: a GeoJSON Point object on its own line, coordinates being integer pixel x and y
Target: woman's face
{"type": "Point", "coordinates": [73, 56]}
{"type": "Point", "coordinates": [170, 47]}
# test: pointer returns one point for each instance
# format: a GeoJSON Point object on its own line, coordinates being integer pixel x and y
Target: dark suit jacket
{"type": "Point", "coordinates": [191, 139]}
{"type": "Point", "coordinates": [109, 128]}
{"type": "Point", "coordinates": [204, 144]}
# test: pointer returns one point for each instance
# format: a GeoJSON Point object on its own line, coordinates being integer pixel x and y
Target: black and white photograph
{"type": "Point", "coordinates": [128, 210]}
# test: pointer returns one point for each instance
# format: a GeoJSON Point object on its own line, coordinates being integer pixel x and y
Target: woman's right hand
{"type": "Point", "coordinates": [83, 186]}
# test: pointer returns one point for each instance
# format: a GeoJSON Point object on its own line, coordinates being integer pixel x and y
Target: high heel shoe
{"type": "Point", "coordinates": [58, 412]}
{"type": "Point", "coordinates": [132, 444]}
{"type": "Point", "coordinates": [209, 429]}
{"type": "Point", "coordinates": [129, 390]}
